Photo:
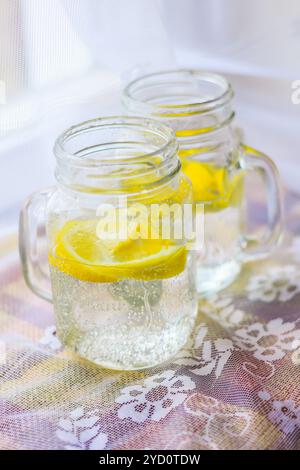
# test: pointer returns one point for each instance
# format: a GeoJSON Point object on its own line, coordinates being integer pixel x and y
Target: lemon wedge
{"type": "Point", "coordinates": [212, 185]}
{"type": "Point", "coordinates": [80, 253]}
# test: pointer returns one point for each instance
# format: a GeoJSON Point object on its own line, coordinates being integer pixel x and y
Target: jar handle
{"type": "Point", "coordinates": [32, 231]}
{"type": "Point", "coordinates": [254, 160]}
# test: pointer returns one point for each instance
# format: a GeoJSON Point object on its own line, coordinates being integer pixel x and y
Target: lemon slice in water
{"type": "Point", "coordinates": [212, 185]}
{"type": "Point", "coordinates": [80, 253]}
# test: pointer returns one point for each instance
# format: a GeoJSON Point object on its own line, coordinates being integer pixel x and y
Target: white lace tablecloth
{"type": "Point", "coordinates": [234, 386]}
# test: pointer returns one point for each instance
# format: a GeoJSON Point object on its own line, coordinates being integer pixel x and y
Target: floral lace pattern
{"type": "Point", "coordinates": [277, 283]}
{"type": "Point", "coordinates": [155, 398]}
{"type": "Point", "coordinates": [50, 339]}
{"type": "Point", "coordinates": [268, 342]}
{"type": "Point", "coordinates": [285, 413]}
{"type": "Point", "coordinates": [81, 431]}
{"type": "Point", "coordinates": [235, 385]}
{"type": "Point", "coordinates": [217, 420]}
{"type": "Point", "coordinates": [222, 310]}
{"type": "Point", "coordinates": [206, 356]}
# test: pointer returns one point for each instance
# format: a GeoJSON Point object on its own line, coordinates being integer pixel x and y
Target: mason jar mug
{"type": "Point", "coordinates": [123, 293]}
{"type": "Point", "coordinates": [198, 106]}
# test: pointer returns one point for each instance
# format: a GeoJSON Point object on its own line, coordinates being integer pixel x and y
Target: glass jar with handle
{"type": "Point", "coordinates": [124, 296]}
{"type": "Point", "coordinates": [198, 106]}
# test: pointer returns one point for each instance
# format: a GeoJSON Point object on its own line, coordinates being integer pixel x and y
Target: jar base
{"type": "Point", "coordinates": [127, 325]}
{"type": "Point", "coordinates": [212, 279]}
{"type": "Point", "coordinates": [142, 351]}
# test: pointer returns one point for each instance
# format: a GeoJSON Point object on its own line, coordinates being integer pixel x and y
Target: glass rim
{"type": "Point", "coordinates": [225, 95]}
{"type": "Point", "coordinates": [169, 148]}
{"type": "Point", "coordinates": [99, 171]}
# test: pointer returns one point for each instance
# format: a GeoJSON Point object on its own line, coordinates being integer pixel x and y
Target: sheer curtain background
{"type": "Point", "coordinates": [66, 60]}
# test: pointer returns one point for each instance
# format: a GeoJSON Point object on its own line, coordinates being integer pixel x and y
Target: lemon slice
{"type": "Point", "coordinates": [212, 185]}
{"type": "Point", "coordinates": [80, 253]}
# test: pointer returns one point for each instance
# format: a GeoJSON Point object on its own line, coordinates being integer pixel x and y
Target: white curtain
{"type": "Point", "coordinates": [255, 37]}
{"type": "Point", "coordinates": [66, 60]}
{"type": "Point", "coordinates": [47, 46]}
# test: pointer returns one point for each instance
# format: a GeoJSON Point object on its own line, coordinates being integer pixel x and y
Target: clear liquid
{"type": "Point", "coordinates": [221, 262]}
{"type": "Point", "coordinates": [125, 325]}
